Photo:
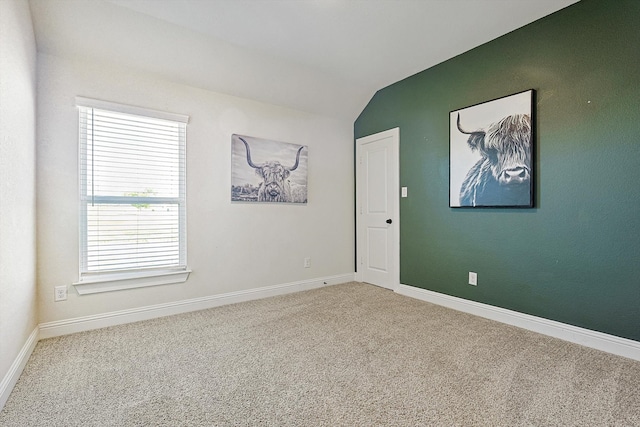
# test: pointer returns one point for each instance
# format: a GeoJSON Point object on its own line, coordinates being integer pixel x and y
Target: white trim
{"type": "Point", "coordinates": [116, 282]}
{"type": "Point", "coordinates": [15, 370]}
{"type": "Point", "coordinates": [597, 340]}
{"type": "Point", "coordinates": [396, 207]}
{"type": "Point", "coordinates": [394, 134]}
{"type": "Point", "coordinates": [86, 323]}
{"type": "Point", "coordinates": [81, 101]}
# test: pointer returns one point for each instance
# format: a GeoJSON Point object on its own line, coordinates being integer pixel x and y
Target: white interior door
{"type": "Point", "coordinates": [377, 191]}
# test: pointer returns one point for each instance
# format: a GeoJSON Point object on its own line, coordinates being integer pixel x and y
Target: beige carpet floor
{"type": "Point", "coordinates": [344, 355]}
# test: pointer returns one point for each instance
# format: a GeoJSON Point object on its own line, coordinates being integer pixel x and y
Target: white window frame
{"type": "Point", "coordinates": [97, 282]}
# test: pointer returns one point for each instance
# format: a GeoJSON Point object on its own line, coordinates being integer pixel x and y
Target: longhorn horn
{"type": "Point", "coordinates": [297, 159]}
{"type": "Point", "coordinates": [468, 132]}
{"type": "Point", "coordinates": [246, 144]}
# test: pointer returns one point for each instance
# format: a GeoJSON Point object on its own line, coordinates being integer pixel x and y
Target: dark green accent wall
{"type": "Point", "coordinates": [575, 257]}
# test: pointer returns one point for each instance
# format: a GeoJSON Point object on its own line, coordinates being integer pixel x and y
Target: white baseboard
{"type": "Point", "coordinates": [86, 323]}
{"type": "Point", "coordinates": [11, 378]}
{"type": "Point", "coordinates": [598, 340]}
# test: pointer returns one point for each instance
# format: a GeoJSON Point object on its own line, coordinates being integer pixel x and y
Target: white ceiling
{"type": "Point", "coordinates": [322, 56]}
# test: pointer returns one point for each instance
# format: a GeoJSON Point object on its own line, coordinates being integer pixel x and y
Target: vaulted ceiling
{"type": "Point", "coordinates": [322, 56]}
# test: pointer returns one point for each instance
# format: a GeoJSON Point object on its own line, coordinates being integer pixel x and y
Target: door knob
{"type": "Point", "coordinates": [389, 221]}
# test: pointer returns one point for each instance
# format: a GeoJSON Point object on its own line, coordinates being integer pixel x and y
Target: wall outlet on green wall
{"type": "Point", "coordinates": [473, 278]}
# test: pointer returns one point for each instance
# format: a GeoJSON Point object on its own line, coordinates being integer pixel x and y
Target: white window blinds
{"type": "Point", "coordinates": [132, 189]}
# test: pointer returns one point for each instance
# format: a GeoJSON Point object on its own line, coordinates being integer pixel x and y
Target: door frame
{"type": "Point", "coordinates": [395, 185]}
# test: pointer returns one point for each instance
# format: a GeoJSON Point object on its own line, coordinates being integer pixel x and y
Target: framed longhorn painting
{"type": "Point", "coordinates": [491, 153]}
{"type": "Point", "coordinates": [267, 171]}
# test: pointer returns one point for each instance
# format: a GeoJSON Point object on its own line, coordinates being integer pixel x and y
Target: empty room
{"type": "Point", "coordinates": [319, 212]}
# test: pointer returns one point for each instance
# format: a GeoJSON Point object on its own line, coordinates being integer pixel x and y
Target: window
{"type": "Point", "coordinates": [132, 197]}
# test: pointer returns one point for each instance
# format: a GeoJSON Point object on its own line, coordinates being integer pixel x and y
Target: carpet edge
{"type": "Point", "coordinates": [16, 368]}
{"type": "Point", "coordinates": [86, 323]}
{"type": "Point", "coordinates": [593, 339]}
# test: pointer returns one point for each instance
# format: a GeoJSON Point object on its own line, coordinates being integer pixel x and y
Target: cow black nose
{"type": "Point", "coordinates": [515, 175]}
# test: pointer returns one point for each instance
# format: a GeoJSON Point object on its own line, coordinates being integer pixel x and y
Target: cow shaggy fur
{"type": "Point", "coordinates": [502, 177]}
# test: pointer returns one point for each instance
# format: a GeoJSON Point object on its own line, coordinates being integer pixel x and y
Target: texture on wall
{"type": "Point", "coordinates": [231, 247]}
{"type": "Point", "coordinates": [18, 313]}
{"type": "Point", "coordinates": [575, 257]}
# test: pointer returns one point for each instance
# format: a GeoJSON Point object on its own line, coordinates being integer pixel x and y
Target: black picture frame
{"type": "Point", "coordinates": [491, 153]}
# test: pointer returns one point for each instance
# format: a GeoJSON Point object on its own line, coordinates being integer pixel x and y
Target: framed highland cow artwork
{"type": "Point", "coordinates": [491, 153]}
{"type": "Point", "coordinates": [267, 171]}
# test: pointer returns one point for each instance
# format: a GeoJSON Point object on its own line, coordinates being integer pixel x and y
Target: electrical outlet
{"type": "Point", "coordinates": [307, 262]}
{"type": "Point", "coordinates": [60, 293]}
{"type": "Point", "coordinates": [473, 278]}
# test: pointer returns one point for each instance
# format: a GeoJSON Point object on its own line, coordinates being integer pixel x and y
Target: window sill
{"type": "Point", "coordinates": [95, 284]}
